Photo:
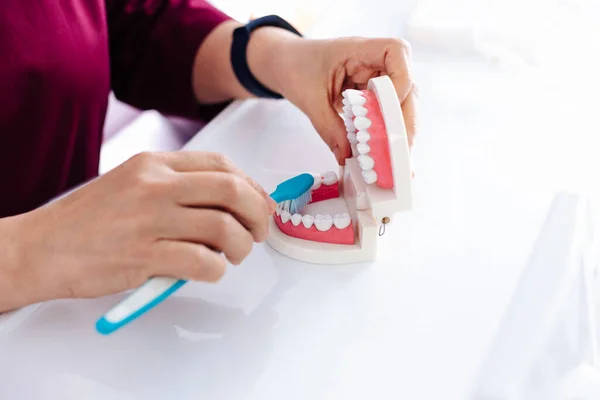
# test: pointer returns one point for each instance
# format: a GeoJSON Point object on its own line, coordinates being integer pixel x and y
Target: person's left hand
{"type": "Point", "coordinates": [318, 71]}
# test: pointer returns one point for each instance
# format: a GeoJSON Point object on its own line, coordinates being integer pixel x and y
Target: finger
{"type": "Point", "coordinates": [195, 161]}
{"type": "Point", "coordinates": [185, 260]}
{"type": "Point", "coordinates": [192, 161]}
{"type": "Point", "coordinates": [396, 61]}
{"type": "Point", "coordinates": [332, 130]}
{"type": "Point", "coordinates": [392, 56]}
{"type": "Point", "coordinates": [215, 229]}
{"type": "Point", "coordinates": [226, 192]}
{"type": "Point", "coordinates": [409, 111]}
{"type": "Point", "coordinates": [360, 76]}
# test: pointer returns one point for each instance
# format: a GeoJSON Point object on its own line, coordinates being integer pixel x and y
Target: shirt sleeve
{"type": "Point", "coordinates": [153, 44]}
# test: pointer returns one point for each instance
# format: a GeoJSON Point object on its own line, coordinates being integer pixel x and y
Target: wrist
{"type": "Point", "coordinates": [270, 54]}
{"type": "Point", "coordinates": [23, 280]}
{"type": "Point", "coordinates": [12, 275]}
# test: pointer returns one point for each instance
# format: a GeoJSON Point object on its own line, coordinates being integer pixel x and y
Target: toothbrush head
{"type": "Point", "coordinates": [295, 192]}
{"type": "Point", "coordinates": [300, 202]}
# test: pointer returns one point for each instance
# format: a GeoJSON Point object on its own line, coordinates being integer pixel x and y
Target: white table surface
{"type": "Point", "coordinates": [415, 324]}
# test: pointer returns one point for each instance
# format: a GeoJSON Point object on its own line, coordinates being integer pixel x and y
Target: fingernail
{"type": "Point", "coordinates": [339, 156]}
{"type": "Point", "coordinates": [336, 153]}
{"type": "Point", "coordinates": [272, 206]}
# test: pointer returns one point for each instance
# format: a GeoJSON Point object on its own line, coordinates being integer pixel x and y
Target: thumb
{"type": "Point", "coordinates": [332, 130]}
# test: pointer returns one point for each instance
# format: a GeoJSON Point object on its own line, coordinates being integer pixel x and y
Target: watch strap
{"type": "Point", "coordinates": [239, 60]}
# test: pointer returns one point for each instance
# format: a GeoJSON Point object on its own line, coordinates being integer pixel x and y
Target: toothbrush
{"type": "Point", "coordinates": [296, 191]}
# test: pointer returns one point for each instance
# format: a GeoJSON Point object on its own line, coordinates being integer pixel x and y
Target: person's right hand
{"type": "Point", "coordinates": [158, 214]}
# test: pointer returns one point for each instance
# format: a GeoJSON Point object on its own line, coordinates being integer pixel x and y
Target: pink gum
{"type": "Point", "coordinates": [333, 235]}
{"type": "Point", "coordinates": [325, 192]}
{"type": "Point", "coordinates": [380, 147]}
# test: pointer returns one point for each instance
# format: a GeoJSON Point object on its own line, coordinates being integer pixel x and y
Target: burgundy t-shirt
{"type": "Point", "coordinates": [58, 62]}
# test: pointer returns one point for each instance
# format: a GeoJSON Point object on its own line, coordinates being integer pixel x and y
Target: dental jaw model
{"type": "Point", "coordinates": [342, 224]}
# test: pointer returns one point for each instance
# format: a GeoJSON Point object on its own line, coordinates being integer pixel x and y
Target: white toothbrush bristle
{"type": "Point", "coordinates": [298, 204]}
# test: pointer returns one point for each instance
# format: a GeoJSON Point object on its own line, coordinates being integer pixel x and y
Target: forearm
{"type": "Point", "coordinates": [269, 58]}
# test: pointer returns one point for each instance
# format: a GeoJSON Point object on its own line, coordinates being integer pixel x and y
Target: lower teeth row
{"type": "Point", "coordinates": [323, 222]}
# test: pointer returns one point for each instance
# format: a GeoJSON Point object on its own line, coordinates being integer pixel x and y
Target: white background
{"type": "Point", "coordinates": [509, 116]}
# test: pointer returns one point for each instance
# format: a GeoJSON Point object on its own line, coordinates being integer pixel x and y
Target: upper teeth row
{"type": "Point", "coordinates": [323, 222]}
{"type": "Point", "coordinates": [327, 178]}
{"type": "Point", "coordinates": [357, 125]}
{"type": "Point", "coordinates": [353, 97]}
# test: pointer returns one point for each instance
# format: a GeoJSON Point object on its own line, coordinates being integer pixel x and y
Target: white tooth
{"type": "Point", "coordinates": [307, 220]}
{"type": "Point", "coordinates": [323, 222]}
{"type": "Point", "coordinates": [317, 183]}
{"type": "Point", "coordinates": [362, 123]}
{"type": "Point", "coordinates": [278, 210]}
{"type": "Point", "coordinates": [354, 151]}
{"type": "Point", "coordinates": [352, 137]}
{"type": "Point", "coordinates": [345, 102]}
{"type": "Point", "coordinates": [356, 99]}
{"type": "Point", "coordinates": [285, 216]}
{"type": "Point", "coordinates": [349, 124]}
{"type": "Point", "coordinates": [363, 136]}
{"type": "Point", "coordinates": [359, 111]}
{"type": "Point", "coordinates": [363, 148]}
{"type": "Point", "coordinates": [347, 110]}
{"type": "Point", "coordinates": [366, 162]}
{"type": "Point", "coordinates": [329, 178]}
{"type": "Point", "coordinates": [341, 221]}
{"type": "Point", "coordinates": [353, 91]}
{"type": "Point", "coordinates": [296, 219]}
{"type": "Point", "coordinates": [350, 129]}
{"type": "Point", "coordinates": [369, 176]}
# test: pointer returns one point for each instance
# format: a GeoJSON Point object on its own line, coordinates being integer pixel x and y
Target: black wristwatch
{"type": "Point", "coordinates": [239, 61]}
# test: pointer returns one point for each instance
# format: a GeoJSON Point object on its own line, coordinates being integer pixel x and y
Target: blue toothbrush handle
{"type": "Point", "coordinates": [143, 299]}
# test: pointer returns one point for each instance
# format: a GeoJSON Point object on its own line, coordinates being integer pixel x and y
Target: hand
{"type": "Point", "coordinates": [158, 214]}
{"type": "Point", "coordinates": [314, 73]}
